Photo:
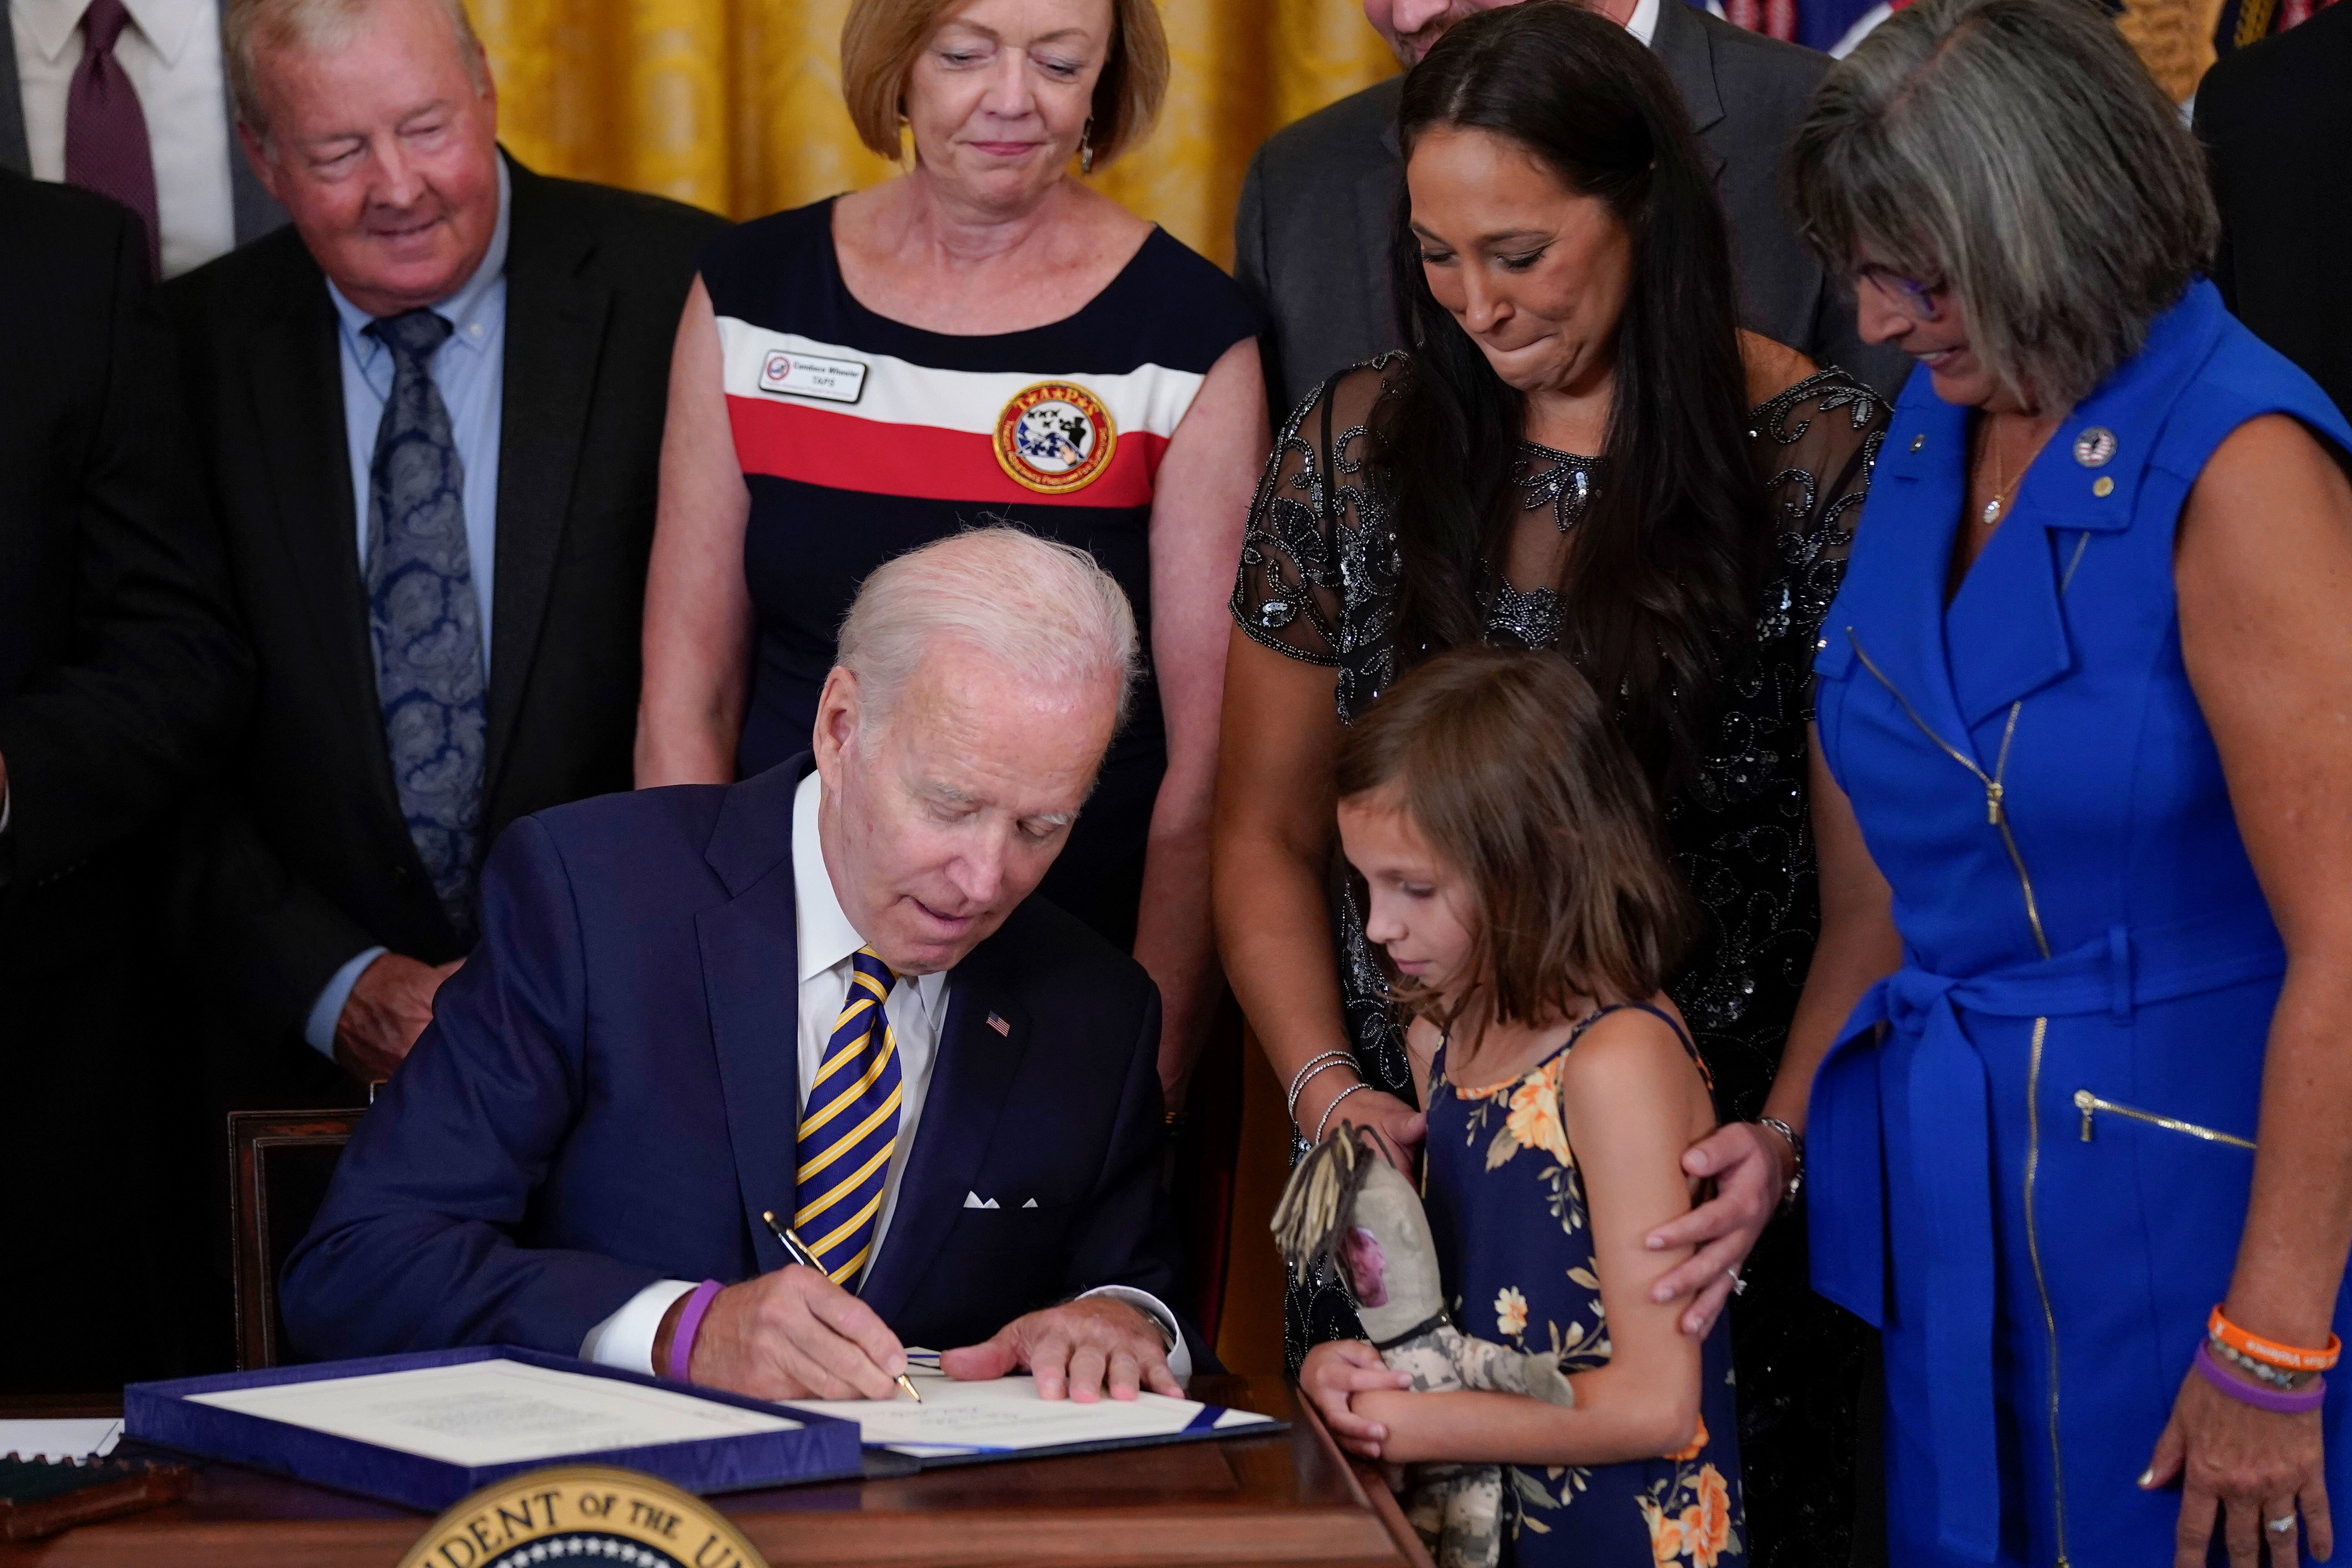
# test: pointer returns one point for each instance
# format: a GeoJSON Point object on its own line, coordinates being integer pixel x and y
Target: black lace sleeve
{"type": "Point", "coordinates": [1740, 829]}
{"type": "Point", "coordinates": [1815, 447]}
{"type": "Point", "coordinates": [1319, 539]}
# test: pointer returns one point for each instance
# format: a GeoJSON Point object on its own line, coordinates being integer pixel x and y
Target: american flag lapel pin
{"type": "Point", "coordinates": [997, 1023]}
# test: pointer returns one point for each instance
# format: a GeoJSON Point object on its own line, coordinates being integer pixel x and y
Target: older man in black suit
{"type": "Point", "coordinates": [1311, 236]}
{"type": "Point", "coordinates": [430, 415]}
{"type": "Point", "coordinates": [122, 682]}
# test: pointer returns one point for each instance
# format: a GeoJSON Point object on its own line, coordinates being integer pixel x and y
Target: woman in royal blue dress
{"type": "Point", "coordinates": [2081, 709]}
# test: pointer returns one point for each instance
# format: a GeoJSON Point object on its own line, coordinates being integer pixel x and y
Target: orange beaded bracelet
{"type": "Point", "coordinates": [2287, 1358]}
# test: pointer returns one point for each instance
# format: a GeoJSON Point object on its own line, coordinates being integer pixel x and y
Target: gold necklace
{"type": "Point", "coordinates": [2001, 487]}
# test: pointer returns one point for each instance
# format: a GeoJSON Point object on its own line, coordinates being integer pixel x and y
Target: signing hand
{"type": "Point", "coordinates": [1080, 1347]}
{"type": "Point", "coordinates": [792, 1334]}
{"type": "Point", "coordinates": [1745, 1159]}
{"type": "Point", "coordinates": [388, 1008]}
{"type": "Point", "coordinates": [1333, 1373]}
{"type": "Point", "coordinates": [2252, 1466]}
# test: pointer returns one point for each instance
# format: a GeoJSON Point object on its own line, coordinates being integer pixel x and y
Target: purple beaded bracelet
{"type": "Point", "coordinates": [2277, 1401]}
{"type": "Point", "coordinates": [681, 1341]}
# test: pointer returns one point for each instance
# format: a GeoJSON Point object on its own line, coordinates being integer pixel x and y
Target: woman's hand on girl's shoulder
{"type": "Point", "coordinates": [1333, 1373]}
{"type": "Point", "coordinates": [1744, 1161]}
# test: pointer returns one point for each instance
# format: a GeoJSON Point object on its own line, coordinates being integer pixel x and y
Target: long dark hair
{"type": "Point", "coordinates": [1664, 570]}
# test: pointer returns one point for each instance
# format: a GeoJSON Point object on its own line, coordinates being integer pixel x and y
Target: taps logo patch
{"type": "Point", "coordinates": [1055, 437]}
{"type": "Point", "coordinates": [583, 1514]}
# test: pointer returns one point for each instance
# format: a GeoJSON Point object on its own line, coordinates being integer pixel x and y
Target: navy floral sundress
{"type": "Point", "coordinates": [1507, 1208]}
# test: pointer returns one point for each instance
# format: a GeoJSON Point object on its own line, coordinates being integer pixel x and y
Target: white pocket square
{"type": "Point", "coordinates": [1030, 1204]}
{"type": "Point", "coordinates": [971, 1201]}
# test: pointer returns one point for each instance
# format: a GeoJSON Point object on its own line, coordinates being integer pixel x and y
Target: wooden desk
{"type": "Point", "coordinates": [1292, 1498]}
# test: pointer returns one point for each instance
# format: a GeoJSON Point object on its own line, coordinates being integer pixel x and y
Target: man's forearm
{"type": "Point", "coordinates": [318, 1027]}
{"type": "Point", "coordinates": [637, 1338]}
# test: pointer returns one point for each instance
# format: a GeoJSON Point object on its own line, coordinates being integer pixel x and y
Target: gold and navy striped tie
{"type": "Point", "coordinates": [849, 1126]}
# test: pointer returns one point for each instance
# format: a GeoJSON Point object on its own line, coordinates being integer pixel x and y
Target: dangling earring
{"type": "Point", "coordinates": [1087, 147]}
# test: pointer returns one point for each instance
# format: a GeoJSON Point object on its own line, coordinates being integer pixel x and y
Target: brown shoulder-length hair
{"type": "Point", "coordinates": [880, 38]}
{"type": "Point", "coordinates": [1510, 768]}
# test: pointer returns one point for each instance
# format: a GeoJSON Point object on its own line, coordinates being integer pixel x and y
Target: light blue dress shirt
{"type": "Point", "coordinates": [470, 372]}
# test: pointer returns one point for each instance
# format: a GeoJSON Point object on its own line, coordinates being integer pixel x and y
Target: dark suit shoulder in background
{"type": "Point", "coordinates": [1311, 233]}
{"type": "Point", "coordinates": [121, 676]}
{"type": "Point", "coordinates": [641, 230]}
{"type": "Point", "coordinates": [2276, 120]}
{"type": "Point", "coordinates": [1311, 236]}
{"type": "Point", "coordinates": [122, 683]}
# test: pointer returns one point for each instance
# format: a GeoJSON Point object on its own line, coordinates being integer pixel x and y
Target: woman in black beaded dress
{"type": "Point", "coordinates": [1584, 454]}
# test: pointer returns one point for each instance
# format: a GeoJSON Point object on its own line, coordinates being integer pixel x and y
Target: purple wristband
{"type": "Point", "coordinates": [2279, 1402]}
{"type": "Point", "coordinates": [681, 1342]}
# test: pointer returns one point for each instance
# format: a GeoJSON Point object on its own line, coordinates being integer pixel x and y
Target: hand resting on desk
{"type": "Point", "coordinates": [1079, 1348]}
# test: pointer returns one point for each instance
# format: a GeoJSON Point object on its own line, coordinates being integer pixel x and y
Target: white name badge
{"type": "Point", "coordinates": [807, 376]}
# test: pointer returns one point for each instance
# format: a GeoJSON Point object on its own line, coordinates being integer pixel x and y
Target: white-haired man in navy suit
{"type": "Point", "coordinates": [823, 993]}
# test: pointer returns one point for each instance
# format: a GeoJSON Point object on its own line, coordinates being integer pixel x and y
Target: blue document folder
{"type": "Point", "coordinates": [426, 1442]}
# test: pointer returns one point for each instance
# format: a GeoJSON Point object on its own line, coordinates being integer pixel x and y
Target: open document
{"type": "Point", "coordinates": [1005, 1416]}
{"type": "Point", "coordinates": [483, 1413]}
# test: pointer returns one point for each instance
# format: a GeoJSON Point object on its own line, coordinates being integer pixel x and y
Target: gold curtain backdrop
{"type": "Point", "coordinates": [735, 105]}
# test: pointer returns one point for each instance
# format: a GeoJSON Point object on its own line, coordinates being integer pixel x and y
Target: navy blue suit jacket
{"type": "Point", "coordinates": [607, 1096]}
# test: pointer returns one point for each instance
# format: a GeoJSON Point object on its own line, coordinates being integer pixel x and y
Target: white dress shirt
{"type": "Point", "coordinates": [172, 53]}
{"type": "Point", "coordinates": [917, 1009]}
{"type": "Point", "coordinates": [1644, 23]}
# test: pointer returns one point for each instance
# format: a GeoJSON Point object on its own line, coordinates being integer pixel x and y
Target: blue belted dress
{"type": "Point", "coordinates": [2031, 1152]}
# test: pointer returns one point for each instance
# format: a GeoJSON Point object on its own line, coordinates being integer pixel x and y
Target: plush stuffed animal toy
{"type": "Point", "coordinates": [1346, 1201]}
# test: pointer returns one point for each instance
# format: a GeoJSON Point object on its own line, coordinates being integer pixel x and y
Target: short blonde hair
{"type": "Point", "coordinates": [881, 38]}
{"type": "Point", "coordinates": [249, 27]}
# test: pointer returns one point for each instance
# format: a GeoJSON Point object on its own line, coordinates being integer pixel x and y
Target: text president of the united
{"type": "Point", "coordinates": [667, 1029]}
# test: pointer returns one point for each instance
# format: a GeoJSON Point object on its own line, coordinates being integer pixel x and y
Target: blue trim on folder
{"type": "Point", "coordinates": [822, 1448]}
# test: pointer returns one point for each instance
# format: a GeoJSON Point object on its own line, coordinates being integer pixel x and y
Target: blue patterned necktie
{"type": "Point", "coordinates": [422, 617]}
{"type": "Point", "coordinates": [849, 1126]}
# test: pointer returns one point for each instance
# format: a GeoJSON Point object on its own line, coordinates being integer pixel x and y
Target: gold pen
{"type": "Point", "coordinates": [798, 1250]}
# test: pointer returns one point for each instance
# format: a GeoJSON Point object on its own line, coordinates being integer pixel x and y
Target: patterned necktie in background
{"type": "Point", "coordinates": [106, 132]}
{"type": "Point", "coordinates": [849, 1127]}
{"type": "Point", "coordinates": [422, 617]}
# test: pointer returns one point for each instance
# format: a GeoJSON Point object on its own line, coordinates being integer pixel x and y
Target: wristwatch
{"type": "Point", "coordinates": [1797, 1152]}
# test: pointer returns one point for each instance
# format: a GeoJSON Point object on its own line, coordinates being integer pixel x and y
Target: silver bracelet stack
{"type": "Point", "coordinates": [1796, 1148]}
{"type": "Point", "coordinates": [1334, 1106]}
{"type": "Point", "coordinates": [1315, 1065]}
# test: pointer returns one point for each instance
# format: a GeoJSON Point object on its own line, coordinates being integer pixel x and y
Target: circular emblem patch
{"type": "Point", "coordinates": [1055, 436]}
{"type": "Point", "coordinates": [2095, 445]}
{"type": "Point", "coordinates": [583, 1514]}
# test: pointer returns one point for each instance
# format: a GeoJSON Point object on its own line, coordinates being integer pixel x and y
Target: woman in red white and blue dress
{"type": "Point", "coordinates": [980, 339]}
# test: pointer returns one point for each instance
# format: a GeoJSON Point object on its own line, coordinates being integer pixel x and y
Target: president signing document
{"type": "Point", "coordinates": [826, 991]}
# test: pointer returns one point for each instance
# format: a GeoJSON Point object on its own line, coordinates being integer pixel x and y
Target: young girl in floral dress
{"type": "Point", "coordinates": [1530, 920]}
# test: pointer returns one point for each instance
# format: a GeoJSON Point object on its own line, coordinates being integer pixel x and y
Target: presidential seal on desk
{"type": "Point", "coordinates": [585, 1515]}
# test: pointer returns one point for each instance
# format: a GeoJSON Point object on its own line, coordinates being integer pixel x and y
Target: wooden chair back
{"type": "Point", "coordinates": [280, 1164]}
